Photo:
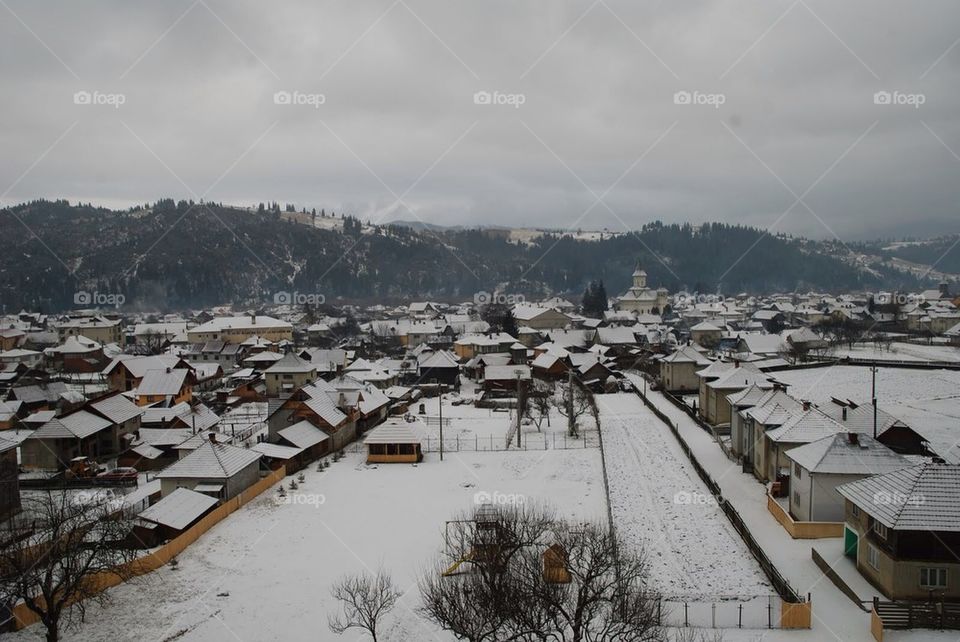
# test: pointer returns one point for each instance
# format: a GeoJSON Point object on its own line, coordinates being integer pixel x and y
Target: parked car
{"type": "Point", "coordinates": [123, 473]}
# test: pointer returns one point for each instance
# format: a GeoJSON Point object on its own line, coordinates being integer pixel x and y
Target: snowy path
{"type": "Point", "coordinates": [661, 505]}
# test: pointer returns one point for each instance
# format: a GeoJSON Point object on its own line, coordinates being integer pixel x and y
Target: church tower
{"type": "Point", "coordinates": [639, 278]}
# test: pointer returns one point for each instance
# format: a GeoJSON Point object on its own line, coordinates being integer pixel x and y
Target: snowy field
{"type": "Point", "coordinates": [264, 573]}
{"type": "Point", "coordinates": [900, 352]}
{"type": "Point", "coordinates": [927, 400]}
{"type": "Point", "coordinates": [660, 504]}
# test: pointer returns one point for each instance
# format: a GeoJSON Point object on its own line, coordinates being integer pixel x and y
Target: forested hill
{"type": "Point", "coordinates": [173, 255]}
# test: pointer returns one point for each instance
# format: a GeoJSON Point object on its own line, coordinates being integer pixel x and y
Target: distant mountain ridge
{"type": "Point", "coordinates": [178, 255]}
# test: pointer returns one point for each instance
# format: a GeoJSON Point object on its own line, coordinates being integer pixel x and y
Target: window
{"type": "Point", "coordinates": [935, 578]}
{"type": "Point", "coordinates": [855, 510]}
{"type": "Point", "coordinates": [796, 498]}
{"type": "Point", "coordinates": [873, 556]}
{"type": "Point", "coordinates": [880, 530]}
{"type": "Point", "coordinates": [797, 470]}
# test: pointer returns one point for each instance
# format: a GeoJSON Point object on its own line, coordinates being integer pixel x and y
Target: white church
{"type": "Point", "coordinates": [640, 298]}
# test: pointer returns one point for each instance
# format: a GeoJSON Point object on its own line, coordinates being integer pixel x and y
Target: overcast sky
{"type": "Point", "coordinates": [781, 130]}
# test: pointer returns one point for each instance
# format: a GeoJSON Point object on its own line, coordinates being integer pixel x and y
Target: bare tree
{"type": "Point", "coordinates": [520, 574]}
{"type": "Point", "coordinates": [59, 554]}
{"type": "Point", "coordinates": [574, 400]}
{"type": "Point", "coordinates": [364, 599]}
{"type": "Point", "coordinates": [540, 400]}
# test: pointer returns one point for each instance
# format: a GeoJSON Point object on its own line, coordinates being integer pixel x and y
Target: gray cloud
{"type": "Point", "coordinates": [798, 81]}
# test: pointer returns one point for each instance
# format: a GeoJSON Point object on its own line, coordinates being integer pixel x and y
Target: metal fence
{"type": "Point", "coordinates": [495, 443]}
{"type": "Point", "coordinates": [758, 612]}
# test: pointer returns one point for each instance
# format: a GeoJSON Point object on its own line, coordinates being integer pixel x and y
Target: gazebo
{"type": "Point", "coordinates": [392, 443]}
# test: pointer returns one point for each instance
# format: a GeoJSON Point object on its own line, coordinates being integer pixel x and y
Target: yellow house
{"type": "Point", "coordinates": [170, 386]}
{"type": "Point", "coordinates": [240, 328]}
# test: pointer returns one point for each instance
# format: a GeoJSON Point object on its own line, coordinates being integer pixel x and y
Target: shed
{"type": "Point", "coordinates": [393, 443]}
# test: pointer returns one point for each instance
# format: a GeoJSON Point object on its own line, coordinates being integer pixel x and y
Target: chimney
{"type": "Point", "coordinates": [844, 413]}
{"type": "Point", "coordinates": [168, 370]}
{"type": "Point", "coordinates": [213, 437]}
{"type": "Point", "coordinates": [253, 318]}
{"type": "Point", "coordinates": [853, 438]}
{"type": "Point", "coordinates": [806, 406]}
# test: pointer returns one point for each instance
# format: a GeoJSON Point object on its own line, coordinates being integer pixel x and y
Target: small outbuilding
{"type": "Point", "coordinates": [393, 442]}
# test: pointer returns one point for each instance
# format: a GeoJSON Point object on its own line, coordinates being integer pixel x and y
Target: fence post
{"type": "Point", "coordinates": [686, 614]}
{"type": "Point", "coordinates": [660, 611]}
{"type": "Point", "coordinates": [769, 613]}
{"type": "Point", "coordinates": [458, 443]}
{"type": "Point", "coordinates": [740, 617]}
{"type": "Point", "coordinates": [713, 615]}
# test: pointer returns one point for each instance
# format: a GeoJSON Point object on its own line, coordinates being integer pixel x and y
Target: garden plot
{"type": "Point", "coordinates": [660, 505]}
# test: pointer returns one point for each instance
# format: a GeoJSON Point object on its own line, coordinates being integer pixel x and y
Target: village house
{"type": "Point", "coordinates": [540, 318]}
{"type": "Point", "coordinates": [167, 387]}
{"type": "Point", "coordinates": [171, 516]}
{"type": "Point", "coordinates": [317, 404]}
{"type": "Point", "coordinates": [218, 469]}
{"type": "Point", "coordinates": [126, 372]}
{"type": "Point", "coordinates": [98, 328]}
{"type": "Point", "coordinates": [818, 468]}
{"type": "Point", "coordinates": [717, 410]}
{"type": "Point", "coordinates": [238, 329]}
{"type": "Point", "coordinates": [288, 373]}
{"type": "Point", "coordinates": [440, 365]}
{"type": "Point", "coordinates": [902, 529]}
{"type": "Point", "coordinates": [678, 371]}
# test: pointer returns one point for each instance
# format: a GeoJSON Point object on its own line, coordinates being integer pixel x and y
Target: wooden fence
{"type": "Point", "coordinates": [944, 616]}
{"type": "Point", "coordinates": [798, 618]}
{"type": "Point", "coordinates": [152, 561]}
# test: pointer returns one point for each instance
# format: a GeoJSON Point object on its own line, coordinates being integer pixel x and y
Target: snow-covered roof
{"type": "Point", "coordinates": [211, 461]}
{"type": "Point", "coordinates": [920, 498]}
{"type": "Point", "coordinates": [392, 433]}
{"type": "Point", "coordinates": [163, 382]}
{"type": "Point", "coordinates": [847, 454]}
{"type": "Point", "coordinates": [179, 509]}
{"type": "Point", "coordinates": [117, 408]}
{"type": "Point", "coordinates": [303, 434]}
{"type": "Point", "coordinates": [804, 427]}
{"type": "Point", "coordinates": [245, 322]}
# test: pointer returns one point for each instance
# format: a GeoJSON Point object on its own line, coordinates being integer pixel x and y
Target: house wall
{"type": "Point", "coordinates": [99, 333]}
{"type": "Point", "coordinates": [41, 454]}
{"type": "Point", "coordinates": [548, 320]}
{"type": "Point", "coordinates": [679, 377]}
{"type": "Point", "coordinates": [9, 484]}
{"type": "Point", "coordinates": [826, 505]}
{"type": "Point", "coordinates": [278, 382]}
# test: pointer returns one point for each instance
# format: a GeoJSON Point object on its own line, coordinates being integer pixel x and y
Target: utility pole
{"type": "Point", "coordinates": [440, 393]}
{"type": "Point", "coordinates": [873, 372]}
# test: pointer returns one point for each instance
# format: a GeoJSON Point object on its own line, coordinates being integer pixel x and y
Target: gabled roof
{"type": "Point", "coordinates": [117, 408]}
{"type": "Point", "coordinates": [840, 454]}
{"type": "Point", "coordinates": [163, 382]}
{"type": "Point", "coordinates": [291, 363]}
{"type": "Point", "coordinates": [211, 461]}
{"type": "Point", "coordinates": [804, 427]}
{"type": "Point", "coordinates": [303, 434]}
{"type": "Point", "coordinates": [687, 354]}
{"type": "Point", "coordinates": [742, 377]}
{"type": "Point", "coordinates": [922, 497]}
{"type": "Point", "coordinates": [139, 366]}
{"type": "Point", "coordinates": [77, 425]}
{"type": "Point", "coordinates": [439, 359]}
{"type": "Point", "coordinates": [179, 509]}
{"type": "Point", "coordinates": [392, 433]}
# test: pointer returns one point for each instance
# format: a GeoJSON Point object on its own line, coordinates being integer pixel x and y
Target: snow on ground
{"type": "Point", "coordinates": [835, 617]}
{"type": "Point", "coordinates": [264, 573]}
{"type": "Point", "coordinates": [900, 351]}
{"type": "Point", "coordinates": [927, 400]}
{"type": "Point", "coordinates": [661, 505]}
